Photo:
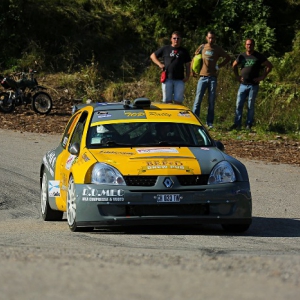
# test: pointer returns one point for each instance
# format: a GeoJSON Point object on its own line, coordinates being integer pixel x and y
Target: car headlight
{"type": "Point", "coordinates": [105, 174]}
{"type": "Point", "coordinates": [222, 173]}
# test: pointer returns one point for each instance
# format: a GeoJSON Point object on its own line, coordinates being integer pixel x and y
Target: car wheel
{"type": "Point", "coordinates": [71, 209]}
{"type": "Point", "coordinates": [236, 228]}
{"type": "Point", "coordinates": [48, 213]}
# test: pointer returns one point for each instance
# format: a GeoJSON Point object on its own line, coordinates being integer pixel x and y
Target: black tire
{"type": "Point", "coordinates": [6, 105]}
{"type": "Point", "coordinates": [42, 103]}
{"type": "Point", "coordinates": [48, 213]}
{"type": "Point", "coordinates": [71, 209]}
{"type": "Point", "coordinates": [236, 228]}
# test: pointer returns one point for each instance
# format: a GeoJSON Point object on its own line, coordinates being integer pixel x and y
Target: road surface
{"type": "Point", "coordinates": [45, 260]}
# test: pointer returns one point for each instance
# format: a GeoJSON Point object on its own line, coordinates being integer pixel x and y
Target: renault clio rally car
{"type": "Point", "coordinates": [142, 163]}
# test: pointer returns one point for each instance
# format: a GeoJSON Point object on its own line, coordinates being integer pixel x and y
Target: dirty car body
{"type": "Point", "coordinates": [142, 163]}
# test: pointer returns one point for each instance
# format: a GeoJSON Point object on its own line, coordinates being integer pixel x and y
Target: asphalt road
{"type": "Point", "coordinates": [45, 260]}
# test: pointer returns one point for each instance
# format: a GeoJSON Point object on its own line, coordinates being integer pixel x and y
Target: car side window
{"type": "Point", "coordinates": [200, 137]}
{"type": "Point", "coordinates": [78, 131]}
{"type": "Point", "coordinates": [69, 128]}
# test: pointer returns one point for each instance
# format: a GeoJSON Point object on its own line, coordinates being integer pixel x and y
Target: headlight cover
{"type": "Point", "coordinates": [222, 173]}
{"type": "Point", "coordinates": [105, 174]}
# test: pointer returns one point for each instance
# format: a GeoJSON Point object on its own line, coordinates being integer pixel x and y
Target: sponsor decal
{"type": "Point", "coordinates": [163, 165]}
{"type": "Point", "coordinates": [106, 195]}
{"type": "Point", "coordinates": [156, 150]}
{"type": "Point", "coordinates": [85, 157]}
{"type": "Point", "coordinates": [158, 114]}
{"type": "Point", "coordinates": [203, 148]}
{"type": "Point", "coordinates": [156, 164]}
{"type": "Point", "coordinates": [103, 114]}
{"type": "Point", "coordinates": [49, 160]}
{"type": "Point", "coordinates": [64, 188]}
{"type": "Point", "coordinates": [64, 182]}
{"type": "Point", "coordinates": [116, 152]}
{"type": "Point", "coordinates": [168, 167]}
{"type": "Point", "coordinates": [70, 161]}
{"type": "Point", "coordinates": [102, 199]}
{"type": "Point", "coordinates": [53, 188]}
{"type": "Point", "coordinates": [184, 114]}
{"type": "Point", "coordinates": [48, 167]}
{"type": "Point", "coordinates": [65, 141]}
{"type": "Point", "coordinates": [135, 114]}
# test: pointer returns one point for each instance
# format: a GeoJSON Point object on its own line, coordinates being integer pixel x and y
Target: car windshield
{"type": "Point", "coordinates": [143, 134]}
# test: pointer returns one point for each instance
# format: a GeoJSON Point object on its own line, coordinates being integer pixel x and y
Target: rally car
{"type": "Point", "coordinates": [142, 163]}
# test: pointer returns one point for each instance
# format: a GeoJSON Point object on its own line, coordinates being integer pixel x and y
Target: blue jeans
{"type": "Point", "coordinates": [245, 91]}
{"type": "Point", "coordinates": [209, 83]}
{"type": "Point", "coordinates": [173, 87]}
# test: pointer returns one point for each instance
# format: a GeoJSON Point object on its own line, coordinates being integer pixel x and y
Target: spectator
{"type": "Point", "coordinates": [176, 62]}
{"type": "Point", "coordinates": [208, 76]}
{"type": "Point", "coordinates": [250, 62]}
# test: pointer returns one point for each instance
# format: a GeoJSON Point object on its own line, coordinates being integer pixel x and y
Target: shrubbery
{"type": "Point", "coordinates": [100, 49]}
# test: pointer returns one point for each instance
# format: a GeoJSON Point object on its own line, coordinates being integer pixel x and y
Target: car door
{"type": "Point", "coordinates": [72, 135]}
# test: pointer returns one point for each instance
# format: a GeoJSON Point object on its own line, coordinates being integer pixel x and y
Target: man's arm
{"type": "Point", "coordinates": [225, 61]}
{"type": "Point", "coordinates": [236, 71]}
{"type": "Point", "coordinates": [268, 68]}
{"type": "Point", "coordinates": [199, 49]}
{"type": "Point", "coordinates": [156, 61]}
{"type": "Point", "coordinates": [187, 72]}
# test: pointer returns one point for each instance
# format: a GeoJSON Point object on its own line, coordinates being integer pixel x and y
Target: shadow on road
{"type": "Point", "coordinates": [261, 227]}
{"type": "Point", "coordinates": [274, 227]}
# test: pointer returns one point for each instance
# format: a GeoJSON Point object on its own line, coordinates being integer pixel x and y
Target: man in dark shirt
{"type": "Point", "coordinates": [176, 62]}
{"type": "Point", "coordinates": [250, 62]}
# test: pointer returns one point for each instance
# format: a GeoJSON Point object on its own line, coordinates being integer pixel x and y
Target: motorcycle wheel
{"type": "Point", "coordinates": [42, 103]}
{"type": "Point", "coordinates": [6, 104]}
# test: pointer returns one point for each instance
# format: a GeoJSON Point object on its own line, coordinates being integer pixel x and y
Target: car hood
{"type": "Point", "coordinates": [160, 160]}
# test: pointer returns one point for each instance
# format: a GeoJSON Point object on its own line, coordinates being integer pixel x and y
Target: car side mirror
{"type": "Point", "coordinates": [74, 149]}
{"type": "Point", "coordinates": [220, 145]}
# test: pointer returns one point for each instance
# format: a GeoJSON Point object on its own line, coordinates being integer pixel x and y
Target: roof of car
{"type": "Point", "coordinates": [140, 110]}
{"type": "Point", "coordinates": [139, 103]}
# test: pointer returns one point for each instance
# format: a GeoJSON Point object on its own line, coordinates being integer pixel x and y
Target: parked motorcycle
{"type": "Point", "coordinates": [24, 91]}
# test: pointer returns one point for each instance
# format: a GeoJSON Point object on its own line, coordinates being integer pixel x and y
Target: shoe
{"type": "Point", "coordinates": [248, 127]}
{"type": "Point", "coordinates": [210, 126]}
{"type": "Point", "coordinates": [235, 126]}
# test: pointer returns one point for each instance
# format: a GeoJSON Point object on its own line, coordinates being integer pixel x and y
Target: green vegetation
{"type": "Point", "coordinates": [99, 49]}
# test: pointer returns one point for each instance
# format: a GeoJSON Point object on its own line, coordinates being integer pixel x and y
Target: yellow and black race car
{"type": "Point", "coordinates": [142, 163]}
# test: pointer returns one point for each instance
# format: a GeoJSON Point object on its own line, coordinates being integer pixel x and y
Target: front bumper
{"type": "Point", "coordinates": [98, 205]}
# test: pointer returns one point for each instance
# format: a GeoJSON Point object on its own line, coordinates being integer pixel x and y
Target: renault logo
{"type": "Point", "coordinates": [168, 182]}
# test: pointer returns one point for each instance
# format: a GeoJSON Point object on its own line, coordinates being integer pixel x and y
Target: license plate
{"type": "Point", "coordinates": [168, 198]}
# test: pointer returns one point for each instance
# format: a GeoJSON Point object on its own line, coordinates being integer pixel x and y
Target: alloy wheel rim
{"type": "Point", "coordinates": [44, 193]}
{"type": "Point", "coordinates": [71, 204]}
